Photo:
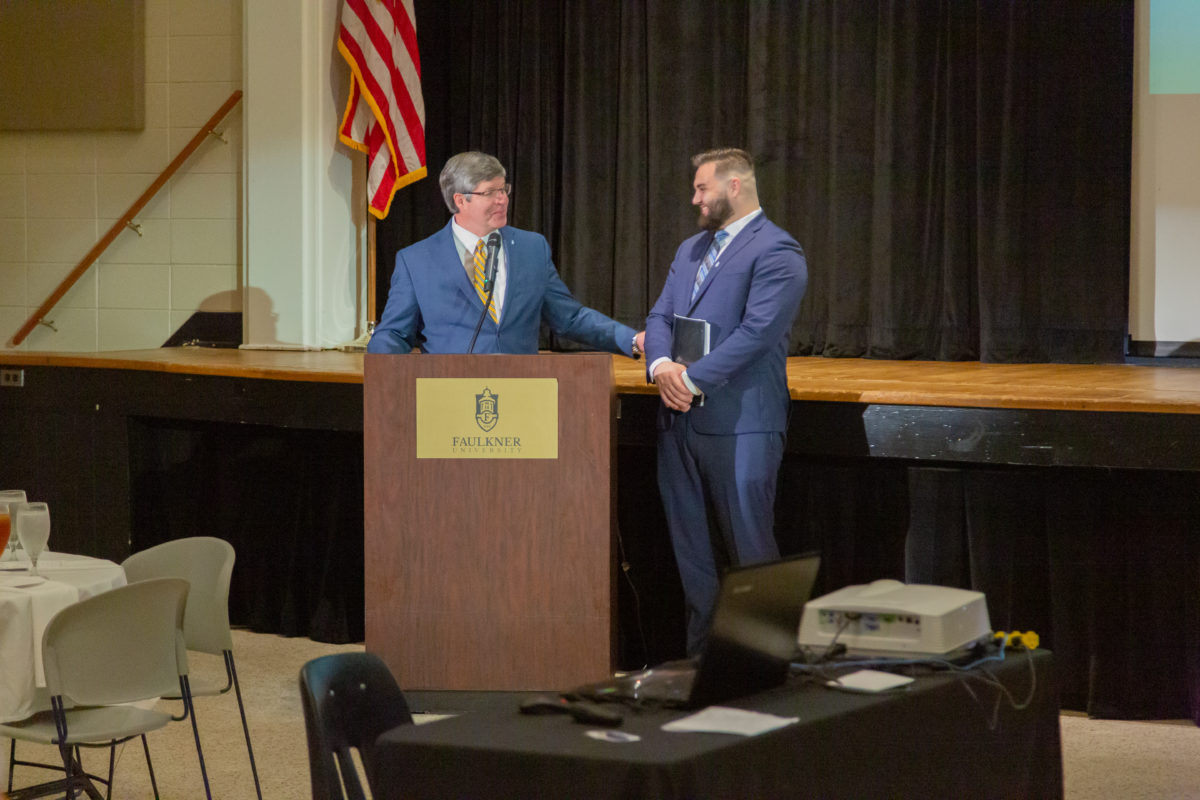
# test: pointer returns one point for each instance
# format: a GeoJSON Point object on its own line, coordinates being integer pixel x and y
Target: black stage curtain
{"type": "Point", "coordinates": [958, 173]}
{"type": "Point", "coordinates": [1100, 563]}
{"type": "Point", "coordinates": [288, 500]}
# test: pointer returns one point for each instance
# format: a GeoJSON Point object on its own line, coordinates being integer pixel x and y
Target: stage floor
{"type": "Point", "coordinates": [1062, 387]}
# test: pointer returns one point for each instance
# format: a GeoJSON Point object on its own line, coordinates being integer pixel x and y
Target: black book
{"type": "Point", "coordinates": [689, 339]}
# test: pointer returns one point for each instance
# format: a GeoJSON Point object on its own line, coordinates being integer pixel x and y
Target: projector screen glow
{"type": "Point", "coordinates": [1174, 47]}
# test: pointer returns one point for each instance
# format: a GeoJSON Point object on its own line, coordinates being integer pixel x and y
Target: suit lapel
{"type": "Point", "coordinates": [508, 243]}
{"type": "Point", "coordinates": [727, 257]}
{"type": "Point", "coordinates": [447, 255]}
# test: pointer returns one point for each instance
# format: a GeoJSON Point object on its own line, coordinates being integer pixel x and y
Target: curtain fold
{"type": "Point", "coordinates": [958, 173]}
{"type": "Point", "coordinates": [1102, 564]}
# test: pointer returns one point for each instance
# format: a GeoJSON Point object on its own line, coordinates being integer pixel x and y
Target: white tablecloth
{"type": "Point", "coordinates": [27, 605]}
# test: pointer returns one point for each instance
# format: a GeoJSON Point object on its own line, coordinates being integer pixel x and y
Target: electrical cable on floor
{"type": "Point", "coordinates": [1002, 691]}
{"type": "Point", "coordinates": [637, 600]}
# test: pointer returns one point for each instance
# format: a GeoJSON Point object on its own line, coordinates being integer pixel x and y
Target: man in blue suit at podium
{"type": "Point", "coordinates": [442, 284]}
{"type": "Point", "coordinates": [723, 417]}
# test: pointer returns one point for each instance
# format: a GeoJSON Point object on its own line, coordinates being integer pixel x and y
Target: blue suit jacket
{"type": "Point", "coordinates": [750, 300]}
{"type": "Point", "coordinates": [433, 305]}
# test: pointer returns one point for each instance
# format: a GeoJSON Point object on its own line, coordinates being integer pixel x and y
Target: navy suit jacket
{"type": "Point", "coordinates": [433, 305]}
{"type": "Point", "coordinates": [750, 300]}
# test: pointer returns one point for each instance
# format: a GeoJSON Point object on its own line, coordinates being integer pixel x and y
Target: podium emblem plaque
{"type": "Point", "coordinates": [461, 418]}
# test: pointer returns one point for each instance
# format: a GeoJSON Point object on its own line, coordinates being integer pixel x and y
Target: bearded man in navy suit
{"type": "Point", "coordinates": [434, 305]}
{"type": "Point", "coordinates": [723, 418]}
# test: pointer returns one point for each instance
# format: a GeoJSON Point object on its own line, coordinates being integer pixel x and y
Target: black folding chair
{"type": "Point", "coordinates": [349, 700]}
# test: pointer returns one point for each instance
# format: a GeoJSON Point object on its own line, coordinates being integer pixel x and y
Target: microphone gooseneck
{"type": "Point", "coordinates": [489, 284]}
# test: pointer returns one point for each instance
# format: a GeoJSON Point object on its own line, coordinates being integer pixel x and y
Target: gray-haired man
{"type": "Point", "coordinates": [437, 296]}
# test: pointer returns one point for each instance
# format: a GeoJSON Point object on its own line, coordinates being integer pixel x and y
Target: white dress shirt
{"type": "Point", "coordinates": [466, 242]}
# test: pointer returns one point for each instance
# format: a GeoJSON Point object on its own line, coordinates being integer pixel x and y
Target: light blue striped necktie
{"type": "Point", "coordinates": [710, 260]}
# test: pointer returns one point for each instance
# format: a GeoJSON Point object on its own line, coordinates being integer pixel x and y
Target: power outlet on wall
{"type": "Point", "coordinates": [12, 377]}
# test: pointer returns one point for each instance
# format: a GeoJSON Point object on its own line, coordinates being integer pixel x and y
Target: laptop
{"type": "Point", "coordinates": [750, 646]}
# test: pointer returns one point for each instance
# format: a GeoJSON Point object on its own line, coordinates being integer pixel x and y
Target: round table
{"type": "Point", "coordinates": [27, 605]}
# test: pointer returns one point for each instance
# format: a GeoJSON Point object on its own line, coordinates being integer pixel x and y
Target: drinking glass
{"type": "Point", "coordinates": [8, 542]}
{"type": "Point", "coordinates": [33, 530]}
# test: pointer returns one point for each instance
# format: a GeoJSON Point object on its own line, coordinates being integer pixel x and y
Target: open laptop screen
{"type": "Point", "coordinates": [750, 645]}
{"type": "Point", "coordinates": [752, 640]}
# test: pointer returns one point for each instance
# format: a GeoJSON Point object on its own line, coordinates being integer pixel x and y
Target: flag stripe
{"type": "Point", "coordinates": [408, 34]}
{"type": "Point", "coordinates": [378, 27]}
{"type": "Point", "coordinates": [411, 153]}
{"type": "Point", "coordinates": [370, 23]}
{"type": "Point", "coordinates": [385, 112]}
{"type": "Point", "coordinates": [355, 121]}
{"type": "Point", "coordinates": [382, 100]}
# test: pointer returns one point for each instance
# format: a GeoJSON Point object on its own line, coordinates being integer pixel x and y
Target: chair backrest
{"type": "Point", "coordinates": [349, 700]}
{"type": "Point", "coordinates": [118, 646]}
{"type": "Point", "coordinates": [207, 564]}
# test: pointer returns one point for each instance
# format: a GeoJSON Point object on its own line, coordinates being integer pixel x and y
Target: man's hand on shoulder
{"type": "Point", "coordinates": [668, 377]}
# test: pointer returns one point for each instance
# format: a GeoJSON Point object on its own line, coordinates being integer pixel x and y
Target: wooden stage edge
{"type": "Point", "coordinates": [969, 384]}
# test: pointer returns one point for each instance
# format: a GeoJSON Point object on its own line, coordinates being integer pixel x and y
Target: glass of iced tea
{"type": "Point", "coordinates": [8, 542]}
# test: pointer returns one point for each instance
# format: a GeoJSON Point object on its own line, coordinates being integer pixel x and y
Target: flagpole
{"type": "Point", "coordinates": [370, 315]}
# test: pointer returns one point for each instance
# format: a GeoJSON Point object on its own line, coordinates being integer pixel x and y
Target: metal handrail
{"type": "Point", "coordinates": [126, 220]}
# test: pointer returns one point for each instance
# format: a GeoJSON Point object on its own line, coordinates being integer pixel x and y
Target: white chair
{"type": "Point", "coordinates": [206, 563]}
{"type": "Point", "coordinates": [117, 647]}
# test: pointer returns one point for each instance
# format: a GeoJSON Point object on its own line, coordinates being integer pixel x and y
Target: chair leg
{"type": "Point", "coordinates": [12, 763]}
{"type": "Point", "coordinates": [232, 670]}
{"type": "Point", "coordinates": [64, 751]}
{"type": "Point", "coordinates": [190, 708]}
{"type": "Point", "coordinates": [82, 777]}
{"type": "Point", "coordinates": [149, 766]}
{"type": "Point", "coordinates": [112, 764]}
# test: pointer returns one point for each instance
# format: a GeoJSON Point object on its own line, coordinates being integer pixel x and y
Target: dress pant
{"type": "Point", "coordinates": [718, 492]}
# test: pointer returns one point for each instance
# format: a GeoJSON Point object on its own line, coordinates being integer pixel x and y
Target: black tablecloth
{"type": "Point", "coordinates": [944, 737]}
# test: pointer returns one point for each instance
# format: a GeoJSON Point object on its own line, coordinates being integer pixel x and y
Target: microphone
{"type": "Point", "coordinates": [489, 267]}
{"type": "Point", "coordinates": [489, 284]}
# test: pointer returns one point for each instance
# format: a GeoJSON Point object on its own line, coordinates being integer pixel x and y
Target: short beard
{"type": "Point", "coordinates": [719, 212]}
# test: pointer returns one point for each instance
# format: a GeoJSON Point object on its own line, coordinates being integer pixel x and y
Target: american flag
{"type": "Point", "coordinates": [385, 114]}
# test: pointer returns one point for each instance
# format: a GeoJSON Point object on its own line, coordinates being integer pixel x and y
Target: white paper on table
{"type": "Point", "coordinates": [722, 719]}
{"type": "Point", "coordinates": [869, 680]}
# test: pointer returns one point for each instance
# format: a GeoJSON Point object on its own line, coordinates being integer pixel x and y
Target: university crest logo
{"type": "Point", "coordinates": [487, 410]}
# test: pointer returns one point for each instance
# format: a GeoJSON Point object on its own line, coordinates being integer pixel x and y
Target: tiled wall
{"type": "Point", "coordinates": [60, 192]}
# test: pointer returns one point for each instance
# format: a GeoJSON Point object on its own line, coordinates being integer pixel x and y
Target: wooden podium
{"type": "Point", "coordinates": [486, 568]}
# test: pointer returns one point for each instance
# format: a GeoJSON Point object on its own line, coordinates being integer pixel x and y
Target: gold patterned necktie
{"type": "Point", "coordinates": [480, 259]}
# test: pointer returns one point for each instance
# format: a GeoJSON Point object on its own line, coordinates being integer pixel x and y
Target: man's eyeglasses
{"type": "Point", "coordinates": [490, 194]}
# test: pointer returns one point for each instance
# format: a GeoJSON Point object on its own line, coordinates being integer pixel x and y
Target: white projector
{"type": "Point", "coordinates": [890, 618]}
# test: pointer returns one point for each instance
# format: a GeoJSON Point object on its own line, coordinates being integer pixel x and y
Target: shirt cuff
{"type": "Point", "coordinates": [688, 382]}
{"type": "Point", "coordinates": [654, 366]}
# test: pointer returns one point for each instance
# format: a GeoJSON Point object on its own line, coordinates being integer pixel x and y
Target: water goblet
{"type": "Point", "coordinates": [8, 542]}
{"type": "Point", "coordinates": [33, 530]}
